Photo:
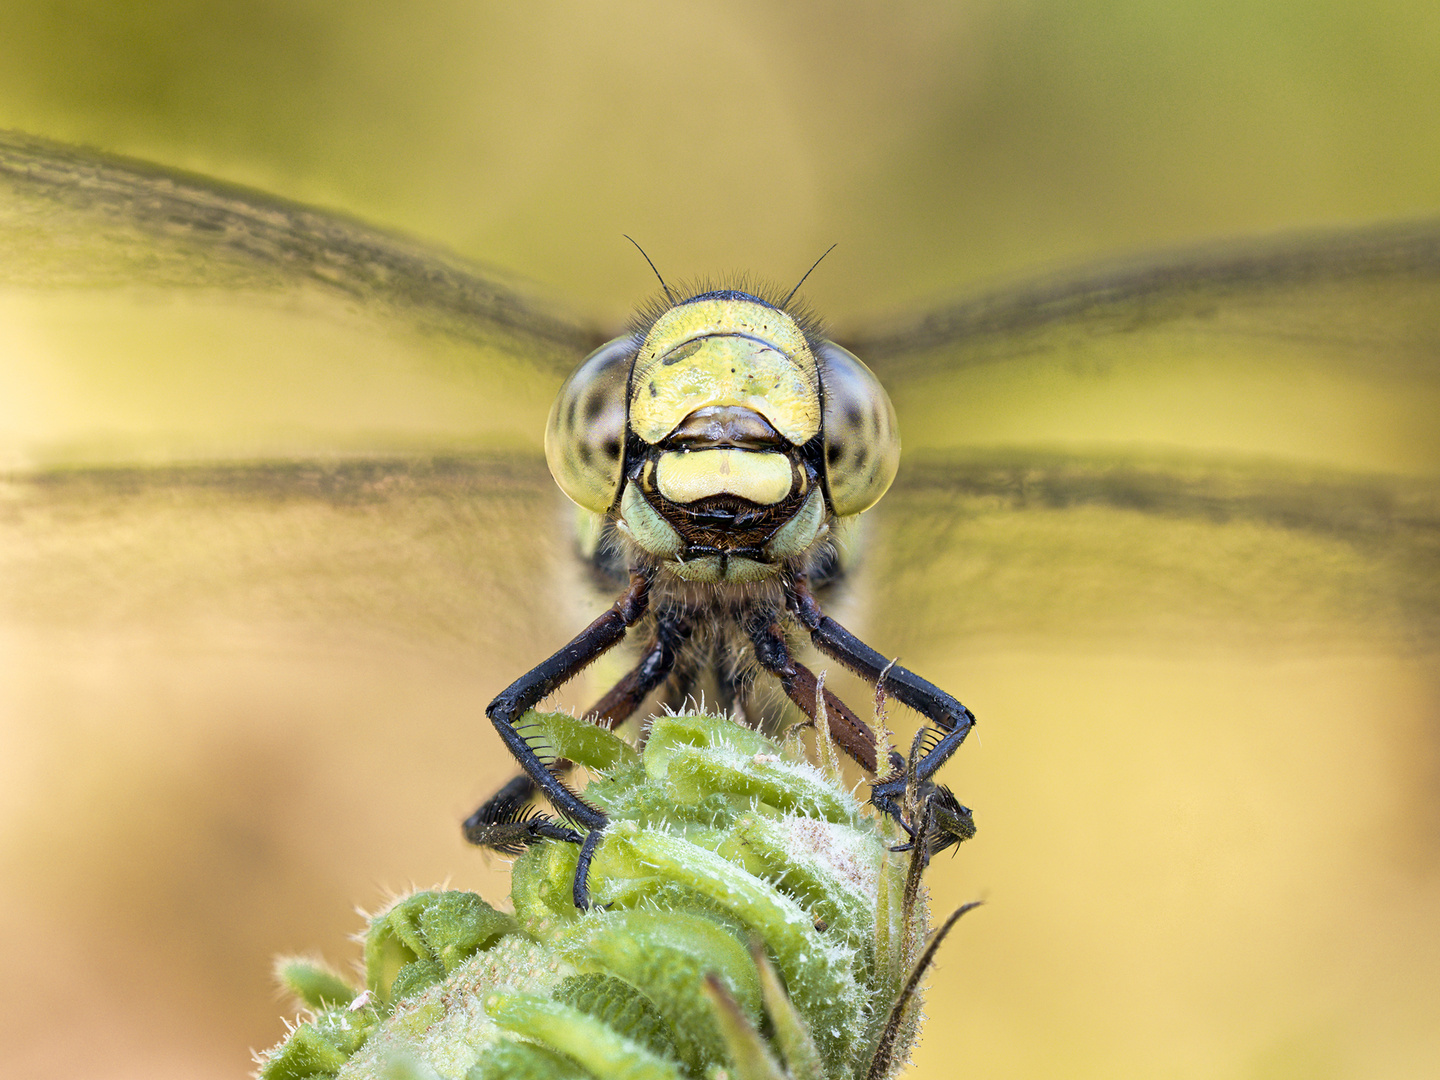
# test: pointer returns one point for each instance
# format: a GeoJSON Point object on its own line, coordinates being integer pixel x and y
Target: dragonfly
{"type": "Point", "coordinates": [227, 418]}
{"type": "Point", "coordinates": [716, 448]}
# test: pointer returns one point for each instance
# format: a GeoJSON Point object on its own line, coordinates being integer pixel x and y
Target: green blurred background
{"type": "Point", "coordinates": [1207, 776]}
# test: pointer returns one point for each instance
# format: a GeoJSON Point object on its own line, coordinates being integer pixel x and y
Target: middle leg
{"type": "Point", "coordinates": [851, 733]}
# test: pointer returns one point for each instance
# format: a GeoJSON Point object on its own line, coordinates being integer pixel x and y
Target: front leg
{"type": "Point", "coordinates": [512, 703]}
{"type": "Point", "coordinates": [504, 822]}
{"type": "Point", "coordinates": [953, 719]}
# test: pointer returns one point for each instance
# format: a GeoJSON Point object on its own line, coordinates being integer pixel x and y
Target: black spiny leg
{"type": "Point", "coordinates": [953, 719]}
{"type": "Point", "coordinates": [507, 823]}
{"type": "Point", "coordinates": [941, 821]}
{"type": "Point", "coordinates": [601, 635]}
{"type": "Point", "coordinates": [504, 823]}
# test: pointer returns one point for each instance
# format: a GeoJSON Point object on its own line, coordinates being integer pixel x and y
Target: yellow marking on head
{"type": "Point", "coordinates": [763, 478]}
{"type": "Point", "coordinates": [725, 352]}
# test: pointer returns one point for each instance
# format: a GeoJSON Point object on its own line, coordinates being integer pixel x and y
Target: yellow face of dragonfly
{"type": "Point", "coordinates": [724, 440]}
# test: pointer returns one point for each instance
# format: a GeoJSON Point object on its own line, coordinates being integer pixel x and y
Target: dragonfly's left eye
{"type": "Point", "coordinates": [585, 435]}
{"type": "Point", "coordinates": [862, 440]}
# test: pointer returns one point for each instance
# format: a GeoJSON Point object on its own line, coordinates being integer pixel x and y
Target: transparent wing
{"type": "Point", "coordinates": [1173, 532]}
{"type": "Point", "coordinates": [1086, 450]}
{"type": "Point", "coordinates": [150, 315]}
{"type": "Point", "coordinates": [274, 526]}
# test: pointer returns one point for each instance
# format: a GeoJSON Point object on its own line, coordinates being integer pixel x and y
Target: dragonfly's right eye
{"type": "Point", "coordinates": [585, 435]}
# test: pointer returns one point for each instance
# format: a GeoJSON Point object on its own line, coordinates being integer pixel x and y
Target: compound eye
{"type": "Point", "coordinates": [862, 440]}
{"type": "Point", "coordinates": [585, 435]}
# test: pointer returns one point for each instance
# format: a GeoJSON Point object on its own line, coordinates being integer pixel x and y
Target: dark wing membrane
{"type": "Point", "coordinates": [160, 315]}
{"type": "Point", "coordinates": [221, 409]}
{"type": "Point", "coordinates": [1243, 437]}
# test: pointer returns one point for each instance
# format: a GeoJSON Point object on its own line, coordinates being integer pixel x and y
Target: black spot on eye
{"type": "Point", "coordinates": [853, 416]}
{"type": "Point", "coordinates": [653, 391]}
{"type": "Point", "coordinates": [594, 406]}
{"type": "Point", "coordinates": [832, 454]}
{"type": "Point", "coordinates": [611, 448]}
{"type": "Point", "coordinates": [571, 412]}
{"type": "Point", "coordinates": [585, 454]}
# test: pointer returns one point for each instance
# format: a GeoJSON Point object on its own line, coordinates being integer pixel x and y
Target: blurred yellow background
{"type": "Point", "coordinates": [236, 702]}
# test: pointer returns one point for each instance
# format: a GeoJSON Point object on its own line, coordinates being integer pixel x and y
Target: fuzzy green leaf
{"type": "Point", "coordinates": [604, 1052]}
{"type": "Point", "coordinates": [314, 983]}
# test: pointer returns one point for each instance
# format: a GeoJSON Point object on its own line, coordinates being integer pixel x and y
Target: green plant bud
{"type": "Point", "coordinates": [802, 1057]}
{"type": "Point", "coordinates": [601, 1050]}
{"type": "Point", "coordinates": [426, 936]}
{"type": "Point", "coordinates": [818, 970]}
{"type": "Point", "coordinates": [748, 919]}
{"type": "Point", "coordinates": [743, 1043]}
{"type": "Point", "coordinates": [666, 956]}
{"type": "Point", "coordinates": [320, 1047]}
{"type": "Point", "coordinates": [620, 1005]}
{"type": "Point", "coordinates": [830, 870]}
{"type": "Point", "coordinates": [508, 1060]}
{"type": "Point", "coordinates": [314, 983]}
{"type": "Point", "coordinates": [693, 773]}
{"type": "Point", "coordinates": [582, 742]}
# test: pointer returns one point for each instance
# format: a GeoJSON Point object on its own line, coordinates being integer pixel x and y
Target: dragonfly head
{"type": "Point", "coordinates": [723, 438]}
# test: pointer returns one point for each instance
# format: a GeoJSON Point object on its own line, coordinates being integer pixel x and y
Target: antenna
{"type": "Point", "coordinates": [668, 295]}
{"type": "Point", "coordinates": [786, 302]}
